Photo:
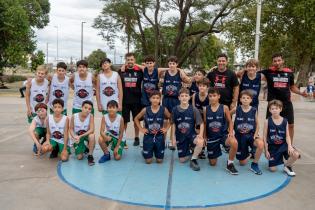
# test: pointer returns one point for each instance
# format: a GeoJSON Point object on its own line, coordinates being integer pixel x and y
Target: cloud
{"type": "Point", "coordinates": [68, 15]}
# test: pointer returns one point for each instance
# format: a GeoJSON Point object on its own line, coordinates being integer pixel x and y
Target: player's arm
{"type": "Point", "coordinates": [121, 133]}
{"type": "Point", "coordinates": [72, 134]}
{"type": "Point", "coordinates": [137, 121]}
{"type": "Point", "coordinates": [288, 140]}
{"type": "Point", "coordinates": [48, 94]}
{"type": "Point", "coordinates": [161, 71]}
{"type": "Point", "coordinates": [27, 97]}
{"type": "Point", "coordinates": [265, 133]}
{"type": "Point", "coordinates": [296, 90]}
{"type": "Point", "coordinates": [32, 133]}
{"type": "Point", "coordinates": [184, 77]}
{"type": "Point", "coordinates": [257, 126]}
{"type": "Point", "coordinates": [66, 135]}
{"type": "Point", "coordinates": [48, 134]}
{"type": "Point", "coordinates": [193, 99]}
{"type": "Point", "coordinates": [236, 90]}
{"type": "Point", "coordinates": [229, 120]}
{"type": "Point", "coordinates": [167, 124]}
{"type": "Point", "coordinates": [240, 73]}
{"type": "Point", "coordinates": [173, 133]}
{"type": "Point", "coordinates": [120, 93]}
{"type": "Point", "coordinates": [204, 122]}
{"type": "Point", "coordinates": [103, 128]}
{"type": "Point", "coordinates": [98, 96]}
{"type": "Point", "coordinates": [71, 81]}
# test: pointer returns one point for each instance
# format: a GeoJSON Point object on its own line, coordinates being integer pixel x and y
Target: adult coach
{"type": "Point", "coordinates": [280, 82]}
{"type": "Point", "coordinates": [131, 82]}
{"type": "Point", "coordinates": [226, 81]}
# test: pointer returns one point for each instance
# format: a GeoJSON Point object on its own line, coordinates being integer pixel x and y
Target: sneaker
{"type": "Point", "coordinates": [194, 165]}
{"type": "Point", "coordinates": [289, 171]}
{"type": "Point", "coordinates": [254, 168]}
{"type": "Point", "coordinates": [104, 158]}
{"type": "Point", "coordinates": [86, 151]}
{"type": "Point", "coordinates": [136, 142]}
{"type": "Point", "coordinates": [126, 146]}
{"type": "Point", "coordinates": [231, 169]}
{"type": "Point", "coordinates": [90, 160]}
{"type": "Point", "coordinates": [35, 149]}
{"type": "Point", "coordinates": [202, 155]}
{"type": "Point", "coordinates": [54, 153]}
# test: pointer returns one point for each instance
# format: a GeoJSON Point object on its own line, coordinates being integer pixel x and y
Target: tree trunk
{"type": "Point", "coordinates": [304, 69]}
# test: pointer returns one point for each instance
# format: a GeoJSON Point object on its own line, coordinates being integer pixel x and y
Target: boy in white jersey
{"type": "Point", "coordinates": [36, 91]}
{"type": "Point", "coordinates": [37, 129]}
{"type": "Point", "coordinates": [82, 82]}
{"type": "Point", "coordinates": [81, 130]}
{"type": "Point", "coordinates": [108, 87]}
{"type": "Point", "coordinates": [57, 130]}
{"type": "Point", "coordinates": [59, 86]}
{"type": "Point", "coordinates": [112, 131]}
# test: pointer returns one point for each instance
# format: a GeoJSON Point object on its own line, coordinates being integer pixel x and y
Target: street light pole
{"type": "Point", "coordinates": [257, 35]}
{"type": "Point", "coordinates": [57, 43]}
{"type": "Point", "coordinates": [82, 40]}
{"type": "Point", "coordinates": [47, 53]}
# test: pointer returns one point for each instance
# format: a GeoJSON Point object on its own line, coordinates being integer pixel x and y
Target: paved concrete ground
{"type": "Point", "coordinates": [28, 182]}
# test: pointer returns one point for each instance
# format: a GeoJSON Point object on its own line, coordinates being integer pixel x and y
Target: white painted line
{"type": "Point", "coordinates": [14, 136]}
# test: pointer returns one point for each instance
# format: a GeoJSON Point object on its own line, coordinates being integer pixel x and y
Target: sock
{"type": "Point", "coordinates": [230, 162]}
{"type": "Point", "coordinates": [193, 158]}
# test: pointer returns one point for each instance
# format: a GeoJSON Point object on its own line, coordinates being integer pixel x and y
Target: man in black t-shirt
{"type": "Point", "coordinates": [226, 81]}
{"type": "Point", "coordinates": [280, 82]}
{"type": "Point", "coordinates": [131, 79]}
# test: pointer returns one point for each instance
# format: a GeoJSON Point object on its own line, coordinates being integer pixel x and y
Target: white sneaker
{"type": "Point", "coordinates": [289, 171]}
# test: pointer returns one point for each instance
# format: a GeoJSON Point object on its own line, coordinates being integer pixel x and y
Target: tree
{"type": "Point", "coordinates": [37, 59]}
{"type": "Point", "coordinates": [18, 18]}
{"type": "Point", "coordinates": [188, 21]}
{"type": "Point", "coordinates": [287, 27]}
{"type": "Point", "coordinates": [95, 58]}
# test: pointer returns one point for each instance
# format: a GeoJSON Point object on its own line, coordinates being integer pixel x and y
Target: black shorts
{"type": "Point", "coordinates": [287, 112]}
{"type": "Point", "coordinates": [244, 141]}
{"type": "Point", "coordinates": [214, 148]}
{"type": "Point", "coordinates": [277, 154]}
{"type": "Point", "coordinates": [154, 145]}
{"type": "Point", "coordinates": [133, 108]}
{"type": "Point", "coordinates": [185, 146]}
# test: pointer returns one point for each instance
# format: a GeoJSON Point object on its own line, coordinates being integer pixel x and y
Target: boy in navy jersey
{"type": "Point", "coordinates": [155, 128]}
{"type": "Point", "coordinates": [219, 130]}
{"type": "Point", "coordinates": [198, 76]}
{"type": "Point", "coordinates": [246, 129]}
{"type": "Point", "coordinates": [185, 119]}
{"type": "Point", "coordinates": [277, 140]}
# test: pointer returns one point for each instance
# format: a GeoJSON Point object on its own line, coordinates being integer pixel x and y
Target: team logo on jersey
{"type": "Point", "coordinates": [112, 132]}
{"type": "Point", "coordinates": [39, 98]}
{"type": "Point", "coordinates": [245, 128]}
{"type": "Point", "coordinates": [108, 91]}
{"type": "Point", "coordinates": [149, 87]}
{"type": "Point", "coordinates": [215, 126]}
{"type": "Point", "coordinates": [82, 93]}
{"type": "Point", "coordinates": [171, 90]}
{"type": "Point", "coordinates": [154, 128]}
{"type": "Point", "coordinates": [57, 135]}
{"type": "Point", "coordinates": [276, 139]}
{"type": "Point", "coordinates": [80, 132]}
{"type": "Point", "coordinates": [58, 93]}
{"type": "Point", "coordinates": [183, 127]}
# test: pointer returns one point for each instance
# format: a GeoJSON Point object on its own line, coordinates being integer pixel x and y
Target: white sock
{"type": "Point", "coordinates": [230, 161]}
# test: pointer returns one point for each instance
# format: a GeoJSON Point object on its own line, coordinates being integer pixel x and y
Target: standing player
{"type": "Point", "coordinates": [198, 76]}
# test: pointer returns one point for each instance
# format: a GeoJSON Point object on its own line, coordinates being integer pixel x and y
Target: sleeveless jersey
{"type": "Point", "coordinates": [83, 90]}
{"type": "Point", "coordinates": [57, 129]}
{"type": "Point", "coordinates": [252, 85]}
{"type": "Point", "coordinates": [113, 128]}
{"type": "Point", "coordinates": [38, 122]}
{"type": "Point", "coordinates": [216, 125]}
{"type": "Point", "coordinates": [277, 134]}
{"type": "Point", "coordinates": [108, 89]}
{"type": "Point", "coordinates": [149, 84]}
{"type": "Point", "coordinates": [154, 121]}
{"type": "Point", "coordinates": [200, 104]}
{"type": "Point", "coordinates": [38, 93]}
{"type": "Point", "coordinates": [245, 122]}
{"type": "Point", "coordinates": [184, 122]}
{"type": "Point", "coordinates": [172, 85]}
{"type": "Point", "coordinates": [79, 126]}
{"type": "Point", "coordinates": [59, 90]}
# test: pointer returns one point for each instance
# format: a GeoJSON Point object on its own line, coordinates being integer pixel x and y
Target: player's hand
{"type": "Point", "coordinates": [233, 106]}
{"type": "Point", "coordinates": [304, 94]}
{"type": "Point", "coordinates": [64, 152]}
{"type": "Point", "coordinates": [267, 154]}
{"type": "Point", "coordinates": [144, 131]}
{"type": "Point", "coordinates": [119, 108]}
{"type": "Point", "coordinates": [215, 67]}
{"type": "Point", "coordinates": [99, 107]}
{"type": "Point", "coordinates": [164, 130]}
{"type": "Point", "coordinates": [123, 68]}
{"type": "Point", "coordinates": [291, 150]}
{"type": "Point", "coordinates": [39, 148]}
{"type": "Point", "coordinates": [116, 150]}
{"type": "Point", "coordinates": [29, 112]}
{"type": "Point", "coordinates": [76, 139]}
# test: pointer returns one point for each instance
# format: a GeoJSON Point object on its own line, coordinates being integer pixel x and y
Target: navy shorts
{"type": "Point", "coordinates": [244, 141]}
{"type": "Point", "coordinates": [185, 146]}
{"type": "Point", "coordinates": [153, 145]}
{"type": "Point", "coordinates": [170, 102]}
{"type": "Point", "coordinates": [277, 153]}
{"type": "Point", "coordinates": [214, 147]}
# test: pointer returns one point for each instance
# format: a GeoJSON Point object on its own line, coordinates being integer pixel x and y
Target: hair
{"type": "Point", "coordinates": [87, 102]}
{"type": "Point", "coordinates": [213, 90]}
{"type": "Point", "coordinates": [149, 58]}
{"type": "Point", "coordinates": [275, 55]}
{"type": "Point", "coordinates": [184, 91]}
{"type": "Point", "coordinates": [58, 101]}
{"type": "Point", "coordinates": [62, 65]}
{"type": "Point", "coordinates": [252, 62]}
{"type": "Point", "coordinates": [155, 93]}
{"type": "Point", "coordinates": [201, 70]}
{"type": "Point", "coordinates": [105, 60]}
{"type": "Point", "coordinates": [40, 106]}
{"type": "Point", "coordinates": [276, 103]}
{"type": "Point", "coordinates": [247, 92]}
{"type": "Point", "coordinates": [82, 62]}
{"type": "Point", "coordinates": [221, 55]}
{"type": "Point", "coordinates": [42, 68]}
{"type": "Point", "coordinates": [130, 54]}
{"type": "Point", "coordinates": [172, 59]}
{"type": "Point", "coordinates": [112, 103]}
{"type": "Point", "coordinates": [204, 81]}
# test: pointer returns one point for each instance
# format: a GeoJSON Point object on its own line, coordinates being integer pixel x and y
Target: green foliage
{"type": "Point", "coordinates": [37, 59]}
{"type": "Point", "coordinates": [17, 20]}
{"type": "Point", "coordinates": [95, 58]}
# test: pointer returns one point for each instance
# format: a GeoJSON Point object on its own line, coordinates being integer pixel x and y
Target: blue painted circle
{"type": "Point", "coordinates": [132, 181]}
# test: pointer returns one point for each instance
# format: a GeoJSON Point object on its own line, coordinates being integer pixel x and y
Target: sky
{"type": "Point", "coordinates": [68, 15]}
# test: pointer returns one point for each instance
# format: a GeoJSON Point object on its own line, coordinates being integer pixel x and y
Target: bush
{"type": "Point", "coordinates": [15, 78]}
